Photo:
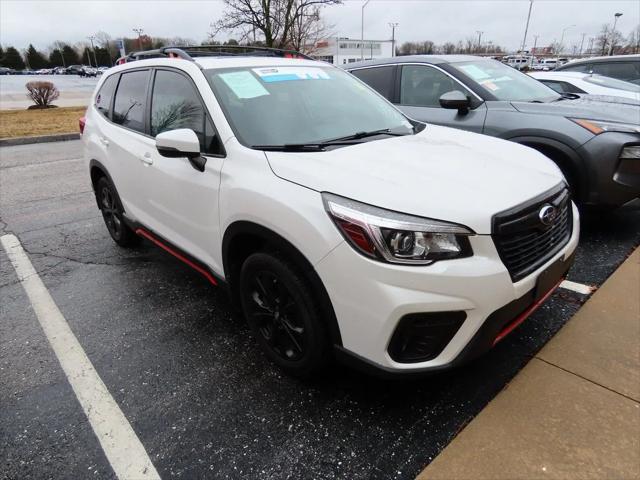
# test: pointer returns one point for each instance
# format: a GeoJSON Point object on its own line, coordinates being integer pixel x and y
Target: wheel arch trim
{"type": "Point", "coordinates": [273, 239]}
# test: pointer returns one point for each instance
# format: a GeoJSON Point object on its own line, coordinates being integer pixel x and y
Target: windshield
{"type": "Point", "coordinates": [300, 104]}
{"type": "Point", "coordinates": [612, 83]}
{"type": "Point", "coordinates": [505, 83]}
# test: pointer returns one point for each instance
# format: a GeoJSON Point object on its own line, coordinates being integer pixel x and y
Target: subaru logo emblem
{"type": "Point", "coordinates": [547, 215]}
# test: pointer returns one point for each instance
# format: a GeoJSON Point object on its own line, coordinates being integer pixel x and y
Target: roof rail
{"type": "Point", "coordinates": [189, 52]}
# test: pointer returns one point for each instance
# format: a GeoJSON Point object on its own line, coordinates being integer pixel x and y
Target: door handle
{"type": "Point", "coordinates": [104, 141]}
{"type": "Point", "coordinates": [146, 159]}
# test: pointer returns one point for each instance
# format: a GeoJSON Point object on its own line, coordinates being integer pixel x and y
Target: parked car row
{"type": "Point", "coordinates": [82, 70]}
{"type": "Point", "coordinates": [343, 225]}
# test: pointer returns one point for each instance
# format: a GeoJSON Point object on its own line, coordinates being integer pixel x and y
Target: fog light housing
{"type": "Point", "coordinates": [420, 337]}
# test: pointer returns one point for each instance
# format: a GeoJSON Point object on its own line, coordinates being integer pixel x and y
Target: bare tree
{"type": "Point", "coordinates": [275, 20]}
{"type": "Point", "coordinates": [42, 94]}
{"type": "Point", "coordinates": [308, 29]}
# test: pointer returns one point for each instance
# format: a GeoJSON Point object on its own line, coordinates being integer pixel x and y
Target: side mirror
{"type": "Point", "coordinates": [182, 142]}
{"type": "Point", "coordinates": [455, 100]}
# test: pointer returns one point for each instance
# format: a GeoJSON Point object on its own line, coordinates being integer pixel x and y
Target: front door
{"type": "Point", "coordinates": [421, 87]}
{"type": "Point", "coordinates": [181, 201]}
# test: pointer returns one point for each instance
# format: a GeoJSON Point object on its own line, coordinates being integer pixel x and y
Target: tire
{"type": "Point", "coordinates": [283, 314]}
{"type": "Point", "coordinates": [112, 211]}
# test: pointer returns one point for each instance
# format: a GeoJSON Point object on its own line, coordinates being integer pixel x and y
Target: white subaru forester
{"type": "Point", "coordinates": [340, 226]}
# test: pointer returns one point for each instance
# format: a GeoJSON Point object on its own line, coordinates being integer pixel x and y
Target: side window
{"type": "Point", "coordinates": [129, 107]}
{"type": "Point", "coordinates": [175, 103]}
{"type": "Point", "coordinates": [621, 70]}
{"type": "Point", "coordinates": [378, 78]}
{"type": "Point", "coordinates": [423, 86]}
{"type": "Point", "coordinates": [105, 95]}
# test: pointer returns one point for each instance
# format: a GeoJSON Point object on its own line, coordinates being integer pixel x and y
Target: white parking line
{"type": "Point", "coordinates": [577, 287]}
{"type": "Point", "coordinates": [123, 449]}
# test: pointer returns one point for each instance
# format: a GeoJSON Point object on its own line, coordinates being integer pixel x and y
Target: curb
{"type": "Point", "coordinates": [59, 137]}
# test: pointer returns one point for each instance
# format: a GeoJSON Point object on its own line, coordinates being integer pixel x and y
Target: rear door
{"type": "Point", "coordinates": [127, 140]}
{"type": "Point", "coordinates": [420, 89]}
{"type": "Point", "coordinates": [180, 201]}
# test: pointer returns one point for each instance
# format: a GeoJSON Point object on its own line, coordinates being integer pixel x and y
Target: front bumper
{"type": "Point", "coordinates": [369, 299]}
{"type": "Point", "coordinates": [612, 181]}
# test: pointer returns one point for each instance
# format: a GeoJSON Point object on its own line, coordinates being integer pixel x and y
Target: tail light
{"type": "Point", "coordinates": [81, 123]}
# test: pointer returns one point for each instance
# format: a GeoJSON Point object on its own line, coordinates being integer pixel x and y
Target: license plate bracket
{"type": "Point", "coordinates": [550, 277]}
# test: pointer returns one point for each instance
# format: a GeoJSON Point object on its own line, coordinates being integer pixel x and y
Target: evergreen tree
{"type": "Point", "coordinates": [35, 59]}
{"type": "Point", "coordinates": [1, 56]}
{"type": "Point", "coordinates": [13, 59]}
{"type": "Point", "coordinates": [70, 55]}
{"type": "Point", "coordinates": [87, 57]}
{"type": "Point", "coordinates": [103, 57]}
{"type": "Point", "coordinates": [55, 58]}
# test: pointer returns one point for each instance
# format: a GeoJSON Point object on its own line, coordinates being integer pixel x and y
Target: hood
{"type": "Point", "coordinates": [595, 107]}
{"type": "Point", "coordinates": [441, 173]}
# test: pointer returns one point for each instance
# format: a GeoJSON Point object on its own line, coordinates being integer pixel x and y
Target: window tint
{"type": "Point", "coordinates": [105, 95]}
{"type": "Point", "coordinates": [423, 86]}
{"type": "Point", "coordinates": [175, 103]}
{"type": "Point", "coordinates": [379, 78]}
{"type": "Point", "coordinates": [129, 106]}
{"type": "Point", "coordinates": [629, 71]}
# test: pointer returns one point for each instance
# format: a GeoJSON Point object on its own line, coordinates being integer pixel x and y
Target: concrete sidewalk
{"type": "Point", "coordinates": [574, 411]}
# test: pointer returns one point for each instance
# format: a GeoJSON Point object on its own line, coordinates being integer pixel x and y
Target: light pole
{"type": "Point", "coordinates": [139, 32]}
{"type": "Point", "coordinates": [95, 59]}
{"type": "Point", "coordinates": [393, 26]}
{"type": "Point", "coordinates": [526, 28]}
{"type": "Point", "coordinates": [562, 40]}
{"type": "Point", "coordinates": [60, 47]}
{"type": "Point", "coordinates": [362, 30]}
{"type": "Point", "coordinates": [479, 32]}
{"type": "Point", "coordinates": [533, 50]}
{"type": "Point", "coordinates": [613, 32]}
{"type": "Point", "coordinates": [581, 44]}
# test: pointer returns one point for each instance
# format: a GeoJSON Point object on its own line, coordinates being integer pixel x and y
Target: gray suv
{"type": "Point", "coordinates": [594, 140]}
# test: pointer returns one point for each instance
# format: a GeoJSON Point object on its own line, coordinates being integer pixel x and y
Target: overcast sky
{"type": "Point", "coordinates": [502, 21]}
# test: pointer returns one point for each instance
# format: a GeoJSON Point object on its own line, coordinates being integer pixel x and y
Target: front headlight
{"type": "Point", "coordinates": [395, 237]}
{"type": "Point", "coordinates": [632, 151]}
{"type": "Point", "coordinates": [597, 126]}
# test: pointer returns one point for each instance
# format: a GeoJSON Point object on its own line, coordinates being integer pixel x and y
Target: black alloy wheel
{"type": "Point", "coordinates": [112, 211]}
{"type": "Point", "coordinates": [283, 314]}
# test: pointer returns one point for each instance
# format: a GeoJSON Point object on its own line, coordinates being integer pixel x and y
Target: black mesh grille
{"type": "Point", "coordinates": [523, 241]}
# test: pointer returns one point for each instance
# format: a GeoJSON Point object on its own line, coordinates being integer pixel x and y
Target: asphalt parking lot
{"type": "Point", "coordinates": [185, 371]}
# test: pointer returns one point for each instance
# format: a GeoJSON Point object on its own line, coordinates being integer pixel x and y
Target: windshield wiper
{"type": "Point", "coordinates": [359, 135]}
{"type": "Point", "coordinates": [320, 146]}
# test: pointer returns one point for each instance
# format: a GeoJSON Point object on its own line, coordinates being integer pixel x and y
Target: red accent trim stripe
{"type": "Point", "coordinates": [524, 315]}
{"type": "Point", "coordinates": [143, 233]}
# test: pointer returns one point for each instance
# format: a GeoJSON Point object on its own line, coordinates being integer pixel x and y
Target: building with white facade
{"type": "Point", "coordinates": [341, 51]}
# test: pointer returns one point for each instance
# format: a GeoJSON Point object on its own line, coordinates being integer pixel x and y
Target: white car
{"type": "Point", "coordinates": [342, 227]}
{"type": "Point", "coordinates": [593, 84]}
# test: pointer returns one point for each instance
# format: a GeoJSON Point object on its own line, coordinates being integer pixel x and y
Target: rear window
{"type": "Point", "coordinates": [105, 95]}
{"type": "Point", "coordinates": [378, 78]}
{"type": "Point", "coordinates": [129, 106]}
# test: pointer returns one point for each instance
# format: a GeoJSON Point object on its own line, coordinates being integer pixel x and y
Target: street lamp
{"type": "Point", "coordinates": [91, 37]}
{"type": "Point", "coordinates": [613, 32]}
{"type": "Point", "coordinates": [562, 39]}
{"type": "Point", "coordinates": [362, 30]}
{"type": "Point", "coordinates": [393, 26]}
{"type": "Point", "coordinates": [479, 32]}
{"type": "Point", "coordinates": [139, 32]}
{"type": "Point", "coordinates": [526, 28]}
